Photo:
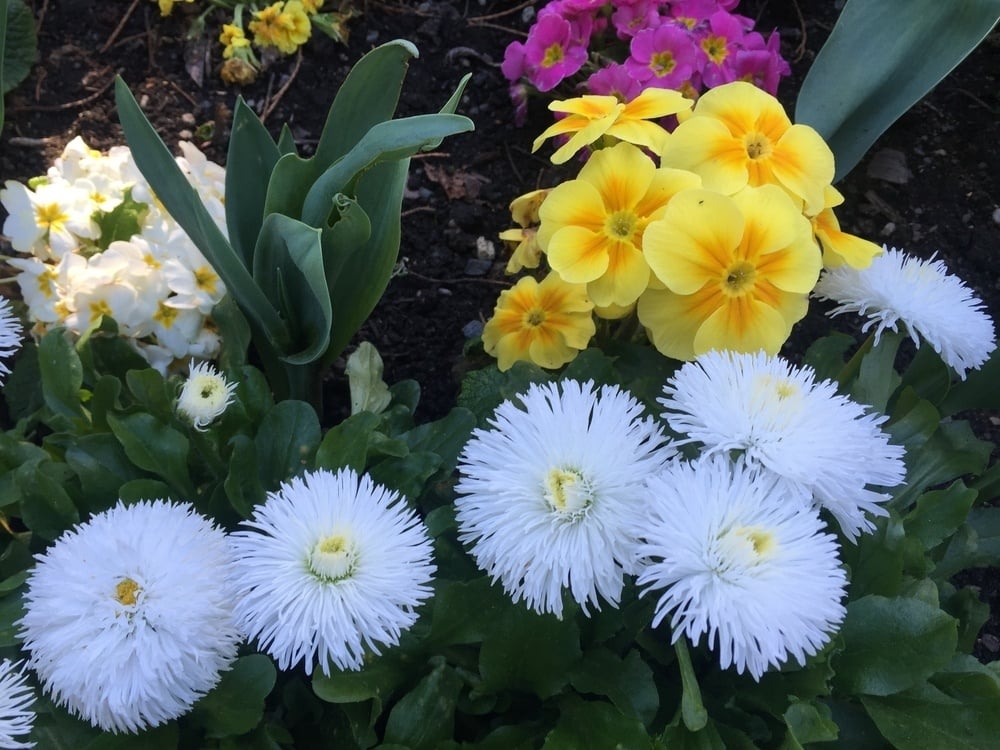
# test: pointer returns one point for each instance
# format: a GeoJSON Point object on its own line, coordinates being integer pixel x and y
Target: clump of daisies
{"type": "Point", "coordinates": [332, 566]}
{"type": "Point", "coordinates": [129, 618]}
{"type": "Point", "coordinates": [95, 242]}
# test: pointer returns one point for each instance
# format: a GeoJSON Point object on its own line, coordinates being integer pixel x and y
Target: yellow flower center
{"type": "Point", "coordinates": [758, 145]}
{"type": "Point", "coordinates": [334, 557]}
{"type": "Point", "coordinates": [206, 279]}
{"type": "Point", "coordinates": [127, 592]}
{"type": "Point", "coordinates": [47, 282]}
{"type": "Point", "coordinates": [621, 225]}
{"type": "Point", "coordinates": [745, 547]}
{"type": "Point", "coordinates": [715, 48]}
{"type": "Point", "coordinates": [553, 55]}
{"type": "Point", "coordinates": [740, 277]}
{"type": "Point", "coordinates": [534, 317]}
{"type": "Point", "coordinates": [662, 63]}
{"type": "Point", "coordinates": [99, 308]}
{"type": "Point", "coordinates": [50, 216]}
{"type": "Point", "coordinates": [568, 493]}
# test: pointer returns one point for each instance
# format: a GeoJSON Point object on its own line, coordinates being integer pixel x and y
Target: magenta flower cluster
{"type": "Point", "coordinates": [688, 45]}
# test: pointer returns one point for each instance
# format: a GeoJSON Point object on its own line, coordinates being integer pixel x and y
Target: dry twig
{"type": "Point", "coordinates": [272, 103]}
{"type": "Point", "coordinates": [121, 25]}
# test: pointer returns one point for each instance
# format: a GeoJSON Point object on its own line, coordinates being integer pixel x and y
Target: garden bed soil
{"type": "Point", "coordinates": [945, 199]}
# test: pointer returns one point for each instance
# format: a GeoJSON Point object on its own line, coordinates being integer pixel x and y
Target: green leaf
{"type": "Point", "coordinates": [46, 509]}
{"type": "Point", "coordinates": [346, 444]}
{"type": "Point", "coordinates": [882, 57]}
{"type": "Point", "coordinates": [891, 645]}
{"type": "Point", "coordinates": [62, 374]}
{"type": "Point", "coordinates": [464, 611]}
{"type": "Point", "coordinates": [528, 651]}
{"type": "Point", "coordinates": [155, 447]}
{"type": "Point", "coordinates": [145, 489]}
{"type": "Point", "coordinates": [121, 222]}
{"type": "Point", "coordinates": [678, 737]}
{"type": "Point", "coordinates": [426, 715]}
{"type": "Point", "coordinates": [877, 380]}
{"type": "Point", "coordinates": [235, 334]}
{"type": "Point", "coordinates": [18, 46]}
{"type": "Point", "coordinates": [408, 474]}
{"type": "Point", "coordinates": [101, 465]}
{"type": "Point", "coordinates": [164, 737]}
{"type": "Point", "coordinates": [693, 711]}
{"type": "Point", "coordinates": [809, 722]}
{"type": "Point", "coordinates": [598, 725]}
{"type": "Point", "coordinates": [627, 682]}
{"type": "Point", "coordinates": [978, 390]}
{"type": "Point", "coordinates": [249, 163]}
{"type": "Point", "coordinates": [23, 390]}
{"type": "Point", "coordinates": [484, 390]}
{"type": "Point", "coordinates": [243, 487]}
{"type": "Point", "coordinates": [288, 268]}
{"type": "Point", "coordinates": [378, 680]}
{"type": "Point", "coordinates": [938, 514]}
{"type": "Point", "coordinates": [285, 442]}
{"type": "Point", "coordinates": [184, 205]}
{"type": "Point", "coordinates": [927, 718]}
{"type": "Point", "coordinates": [236, 705]}
{"type": "Point", "coordinates": [364, 377]}
{"type": "Point", "coordinates": [151, 392]}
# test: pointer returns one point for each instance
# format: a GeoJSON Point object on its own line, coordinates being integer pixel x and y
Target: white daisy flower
{"type": "Point", "coordinates": [10, 336]}
{"type": "Point", "coordinates": [736, 557]}
{"type": "Point", "coordinates": [16, 699]}
{"type": "Point", "coordinates": [825, 445]}
{"type": "Point", "coordinates": [204, 396]}
{"type": "Point", "coordinates": [331, 565]}
{"type": "Point", "coordinates": [546, 494]}
{"type": "Point", "coordinates": [924, 297]}
{"type": "Point", "coordinates": [129, 619]}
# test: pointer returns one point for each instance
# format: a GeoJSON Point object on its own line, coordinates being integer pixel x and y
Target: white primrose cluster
{"type": "Point", "coordinates": [97, 242]}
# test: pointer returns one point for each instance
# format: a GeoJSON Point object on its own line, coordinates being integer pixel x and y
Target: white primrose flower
{"type": "Point", "coordinates": [931, 303]}
{"type": "Point", "coordinates": [735, 556]}
{"type": "Point", "coordinates": [828, 447]}
{"type": "Point", "coordinates": [546, 494]}
{"type": "Point", "coordinates": [129, 618]}
{"type": "Point", "coordinates": [16, 699]}
{"type": "Point", "coordinates": [330, 565]}
{"type": "Point", "coordinates": [204, 396]}
{"type": "Point", "coordinates": [49, 221]}
{"type": "Point", "coordinates": [10, 336]}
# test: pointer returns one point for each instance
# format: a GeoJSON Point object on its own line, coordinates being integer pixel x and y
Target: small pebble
{"type": "Point", "coordinates": [991, 642]}
{"type": "Point", "coordinates": [477, 267]}
{"type": "Point", "coordinates": [187, 118]}
{"type": "Point", "coordinates": [996, 215]}
{"type": "Point", "coordinates": [485, 249]}
{"type": "Point", "coordinates": [472, 329]}
{"type": "Point", "coordinates": [888, 229]}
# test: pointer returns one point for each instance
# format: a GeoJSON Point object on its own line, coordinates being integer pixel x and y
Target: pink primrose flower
{"type": "Point", "coordinates": [718, 44]}
{"type": "Point", "coordinates": [664, 57]}
{"type": "Point", "coordinates": [513, 65]}
{"type": "Point", "coordinates": [551, 53]}
{"type": "Point", "coordinates": [763, 67]}
{"type": "Point", "coordinates": [631, 18]}
{"type": "Point", "coordinates": [614, 80]}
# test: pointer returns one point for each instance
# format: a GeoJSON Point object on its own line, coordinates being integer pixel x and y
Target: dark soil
{"type": "Point", "coordinates": [949, 205]}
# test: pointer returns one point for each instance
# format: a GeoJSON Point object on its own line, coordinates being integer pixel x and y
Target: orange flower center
{"type": "Point", "coordinates": [662, 63]}
{"type": "Point", "coordinates": [553, 55]}
{"type": "Point", "coordinates": [740, 277]}
{"type": "Point", "coordinates": [758, 145]}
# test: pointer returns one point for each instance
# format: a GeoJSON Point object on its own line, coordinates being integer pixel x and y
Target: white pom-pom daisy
{"type": "Point", "coordinates": [738, 558]}
{"type": "Point", "coordinates": [129, 618]}
{"type": "Point", "coordinates": [546, 494]}
{"type": "Point", "coordinates": [204, 396]}
{"type": "Point", "coordinates": [331, 564]}
{"type": "Point", "coordinates": [923, 296]}
{"type": "Point", "coordinates": [10, 336]}
{"type": "Point", "coordinates": [16, 699]}
{"type": "Point", "coordinates": [826, 445]}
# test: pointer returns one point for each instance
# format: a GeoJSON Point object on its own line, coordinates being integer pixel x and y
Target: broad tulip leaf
{"type": "Point", "coordinates": [882, 57]}
{"type": "Point", "coordinates": [249, 163]}
{"type": "Point", "coordinates": [285, 442]}
{"type": "Point", "coordinates": [288, 269]}
{"type": "Point", "coordinates": [891, 645]}
{"type": "Point", "coordinates": [183, 203]}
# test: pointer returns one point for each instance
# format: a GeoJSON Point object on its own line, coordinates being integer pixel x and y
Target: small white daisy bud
{"type": "Point", "coordinates": [204, 396]}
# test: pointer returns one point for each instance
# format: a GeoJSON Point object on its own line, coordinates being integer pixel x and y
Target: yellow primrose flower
{"type": "Point", "coordinates": [167, 6]}
{"type": "Point", "coordinates": [591, 116]}
{"type": "Point", "coordinates": [526, 252]}
{"type": "Point", "coordinates": [592, 226]}
{"type": "Point", "coordinates": [547, 323]}
{"type": "Point", "coordinates": [232, 38]}
{"type": "Point", "coordinates": [840, 248]}
{"type": "Point", "coordinates": [524, 208]}
{"type": "Point", "coordinates": [739, 135]}
{"type": "Point", "coordinates": [737, 270]}
{"type": "Point", "coordinates": [312, 6]}
{"type": "Point", "coordinates": [284, 25]}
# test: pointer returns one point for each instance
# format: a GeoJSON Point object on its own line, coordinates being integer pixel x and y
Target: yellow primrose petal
{"type": "Point", "coordinates": [590, 106]}
{"type": "Point", "coordinates": [578, 254]}
{"type": "Point", "coordinates": [744, 109]}
{"type": "Point", "coordinates": [693, 242]}
{"type": "Point", "coordinates": [613, 312]}
{"type": "Point", "coordinates": [626, 277]}
{"type": "Point", "coordinates": [526, 253]}
{"type": "Point", "coordinates": [621, 174]}
{"type": "Point", "coordinates": [582, 138]}
{"type": "Point", "coordinates": [705, 146]}
{"type": "Point", "coordinates": [641, 133]}
{"type": "Point", "coordinates": [672, 320]}
{"type": "Point", "coordinates": [666, 183]}
{"type": "Point", "coordinates": [742, 324]}
{"type": "Point", "coordinates": [524, 208]}
{"type": "Point", "coordinates": [573, 203]}
{"type": "Point", "coordinates": [840, 248]}
{"type": "Point", "coordinates": [654, 103]}
{"type": "Point", "coordinates": [803, 164]}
